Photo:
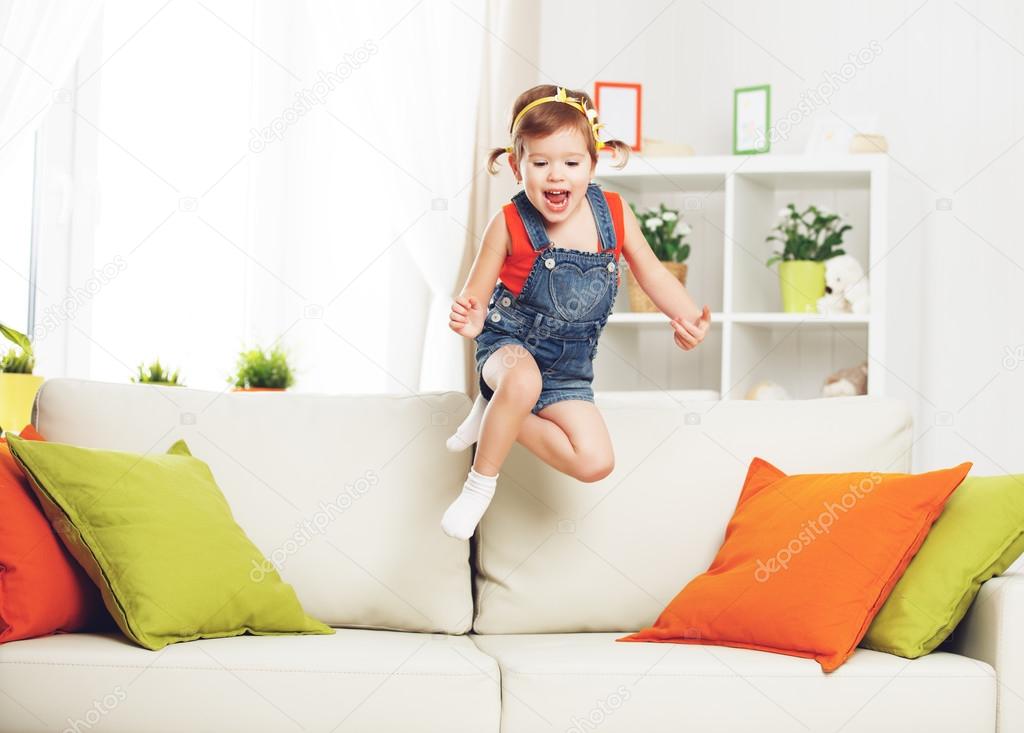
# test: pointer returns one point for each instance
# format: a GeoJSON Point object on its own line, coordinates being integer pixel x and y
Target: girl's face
{"type": "Point", "coordinates": [555, 171]}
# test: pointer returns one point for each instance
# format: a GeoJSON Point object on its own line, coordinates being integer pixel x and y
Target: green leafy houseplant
{"type": "Point", "coordinates": [17, 362]}
{"type": "Point", "coordinates": [18, 385]}
{"type": "Point", "coordinates": [156, 374]}
{"type": "Point", "coordinates": [803, 241]}
{"type": "Point", "coordinates": [813, 234]}
{"type": "Point", "coordinates": [257, 369]}
{"type": "Point", "coordinates": [13, 362]}
{"type": "Point", "coordinates": [664, 232]}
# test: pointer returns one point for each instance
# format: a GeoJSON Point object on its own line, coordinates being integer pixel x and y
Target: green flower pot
{"type": "Point", "coordinates": [801, 283]}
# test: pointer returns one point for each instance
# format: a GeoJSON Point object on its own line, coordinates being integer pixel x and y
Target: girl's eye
{"type": "Point", "coordinates": [573, 163]}
{"type": "Point", "coordinates": [538, 163]}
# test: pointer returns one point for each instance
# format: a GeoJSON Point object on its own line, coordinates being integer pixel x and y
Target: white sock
{"type": "Point", "coordinates": [469, 431]}
{"type": "Point", "coordinates": [464, 514]}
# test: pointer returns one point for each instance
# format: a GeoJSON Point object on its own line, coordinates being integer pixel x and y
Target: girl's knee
{"type": "Point", "coordinates": [521, 384]}
{"type": "Point", "coordinates": [593, 467]}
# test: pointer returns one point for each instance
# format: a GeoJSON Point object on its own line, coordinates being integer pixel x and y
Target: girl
{"type": "Point", "coordinates": [555, 253]}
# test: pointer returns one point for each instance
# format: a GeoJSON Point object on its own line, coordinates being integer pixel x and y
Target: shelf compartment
{"type": "Point", "coordinates": [798, 355]}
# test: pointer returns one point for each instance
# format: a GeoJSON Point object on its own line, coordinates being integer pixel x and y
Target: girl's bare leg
{"type": "Point", "coordinates": [517, 383]}
{"type": "Point", "coordinates": [570, 435]}
{"type": "Point", "coordinates": [513, 374]}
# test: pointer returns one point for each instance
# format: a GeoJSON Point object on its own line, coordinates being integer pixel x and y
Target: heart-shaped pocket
{"type": "Point", "coordinates": [575, 292]}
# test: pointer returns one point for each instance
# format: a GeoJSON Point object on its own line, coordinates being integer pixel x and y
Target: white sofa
{"type": "Point", "coordinates": [516, 633]}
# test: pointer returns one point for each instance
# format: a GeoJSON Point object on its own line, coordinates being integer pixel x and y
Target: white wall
{"type": "Point", "coordinates": [946, 85]}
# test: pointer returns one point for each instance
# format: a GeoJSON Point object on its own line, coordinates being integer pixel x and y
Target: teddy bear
{"type": "Point", "coordinates": [847, 382]}
{"type": "Point", "coordinates": [766, 389]}
{"type": "Point", "coordinates": [846, 287]}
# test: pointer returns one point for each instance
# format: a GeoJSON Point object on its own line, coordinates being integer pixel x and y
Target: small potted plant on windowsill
{"type": "Point", "coordinates": [259, 371]}
{"type": "Point", "coordinates": [18, 386]}
{"type": "Point", "coordinates": [804, 240]}
{"type": "Point", "coordinates": [664, 232]}
{"type": "Point", "coordinates": [155, 374]}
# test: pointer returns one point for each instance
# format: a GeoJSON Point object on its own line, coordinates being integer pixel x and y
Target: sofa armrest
{"type": "Point", "coordinates": [993, 632]}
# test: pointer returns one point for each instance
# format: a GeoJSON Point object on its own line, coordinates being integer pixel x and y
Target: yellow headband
{"type": "Point", "coordinates": [561, 96]}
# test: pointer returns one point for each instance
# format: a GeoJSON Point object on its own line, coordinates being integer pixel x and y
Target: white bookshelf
{"type": "Point", "coordinates": [732, 203]}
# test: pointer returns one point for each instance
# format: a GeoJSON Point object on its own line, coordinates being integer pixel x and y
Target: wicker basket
{"type": "Point", "coordinates": [638, 300]}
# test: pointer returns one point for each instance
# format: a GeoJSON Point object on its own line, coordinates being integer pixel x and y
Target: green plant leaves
{"type": "Point", "coordinates": [660, 231]}
{"type": "Point", "coordinates": [155, 374]}
{"type": "Point", "coordinates": [14, 362]}
{"type": "Point", "coordinates": [812, 234]}
{"type": "Point", "coordinates": [257, 368]}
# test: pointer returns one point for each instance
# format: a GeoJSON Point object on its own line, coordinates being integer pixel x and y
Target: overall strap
{"type": "Point", "coordinates": [602, 218]}
{"type": "Point", "coordinates": [532, 221]}
{"type": "Point", "coordinates": [606, 207]}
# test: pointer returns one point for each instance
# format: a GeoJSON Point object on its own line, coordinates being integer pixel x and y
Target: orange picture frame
{"type": "Point", "coordinates": [620, 111]}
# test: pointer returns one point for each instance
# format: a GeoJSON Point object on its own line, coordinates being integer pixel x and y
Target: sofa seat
{"type": "Point", "coordinates": [354, 680]}
{"type": "Point", "coordinates": [580, 682]}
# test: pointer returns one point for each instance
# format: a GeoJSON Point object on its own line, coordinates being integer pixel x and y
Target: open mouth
{"type": "Point", "coordinates": [557, 199]}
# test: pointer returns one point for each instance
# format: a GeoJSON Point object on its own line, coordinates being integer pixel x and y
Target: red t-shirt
{"type": "Point", "coordinates": [518, 264]}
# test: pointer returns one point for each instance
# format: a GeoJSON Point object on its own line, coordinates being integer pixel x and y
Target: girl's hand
{"type": "Point", "coordinates": [467, 317]}
{"type": "Point", "coordinates": [688, 335]}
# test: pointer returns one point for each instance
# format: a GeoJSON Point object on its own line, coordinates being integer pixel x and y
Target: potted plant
{"type": "Point", "coordinates": [664, 232]}
{"type": "Point", "coordinates": [804, 240]}
{"type": "Point", "coordinates": [257, 370]}
{"type": "Point", "coordinates": [155, 374]}
{"type": "Point", "coordinates": [18, 386]}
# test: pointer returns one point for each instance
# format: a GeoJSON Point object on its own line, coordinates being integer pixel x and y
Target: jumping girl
{"type": "Point", "coordinates": [554, 251]}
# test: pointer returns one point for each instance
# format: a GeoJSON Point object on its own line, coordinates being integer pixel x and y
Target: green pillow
{"type": "Point", "coordinates": [979, 534]}
{"type": "Point", "coordinates": [156, 535]}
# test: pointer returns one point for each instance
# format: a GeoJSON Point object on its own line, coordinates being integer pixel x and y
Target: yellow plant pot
{"type": "Point", "coordinates": [17, 392]}
{"type": "Point", "coordinates": [801, 283]}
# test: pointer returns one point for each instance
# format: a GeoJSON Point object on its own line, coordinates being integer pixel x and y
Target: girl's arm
{"type": "Point", "coordinates": [468, 309]}
{"type": "Point", "coordinates": [689, 321]}
{"type": "Point", "coordinates": [663, 288]}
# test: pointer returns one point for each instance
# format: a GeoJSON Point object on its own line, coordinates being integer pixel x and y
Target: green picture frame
{"type": "Point", "coordinates": [744, 142]}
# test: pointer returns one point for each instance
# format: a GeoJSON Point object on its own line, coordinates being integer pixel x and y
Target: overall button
{"type": "Point", "coordinates": [611, 267]}
{"type": "Point", "coordinates": [495, 317]}
{"type": "Point", "coordinates": [549, 263]}
{"type": "Point", "coordinates": [506, 301]}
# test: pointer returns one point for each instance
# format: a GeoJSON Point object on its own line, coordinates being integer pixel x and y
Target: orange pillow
{"type": "Point", "coordinates": [43, 589]}
{"type": "Point", "coordinates": [807, 561]}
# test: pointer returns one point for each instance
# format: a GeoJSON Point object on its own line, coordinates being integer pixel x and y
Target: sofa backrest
{"type": "Point", "coordinates": [557, 555]}
{"type": "Point", "coordinates": [343, 494]}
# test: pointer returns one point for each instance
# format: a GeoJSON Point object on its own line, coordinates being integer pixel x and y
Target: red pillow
{"type": "Point", "coordinates": [43, 589]}
{"type": "Point", "coordinates": [807, 561]}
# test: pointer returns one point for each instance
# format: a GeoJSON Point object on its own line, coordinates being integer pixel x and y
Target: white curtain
{"type": "Point", "coordinates": [39, 43]}
{"type": "Point", "coordinates": [511, 44]}
{"type": "Point", "coordinates": [360, 196]}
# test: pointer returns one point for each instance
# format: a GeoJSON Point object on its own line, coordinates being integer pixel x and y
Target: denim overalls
{"type": "Point", "coordinates": [560, 311]}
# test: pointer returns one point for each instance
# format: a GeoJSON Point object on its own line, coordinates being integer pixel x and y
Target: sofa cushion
{"type": "Point", "coordinates": [332, 489]}
{"type": "Point", "coordinates": [157, 538]}
{"type": "Point", "coordinates": [43, 589]}
{"type": "Point", "coordinates": [979, 534]}
{"type": "Point", "coordinates": [355, 680]}
{"type": "Point", "coordinates": [585, 682]}
{"type": "Point", "coordinates": [808, 560]}
{"type": "Point", "coordinates": [558, 555]}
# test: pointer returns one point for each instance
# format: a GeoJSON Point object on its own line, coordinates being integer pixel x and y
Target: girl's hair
{"type": "Point", "coordinates": [545, 119]}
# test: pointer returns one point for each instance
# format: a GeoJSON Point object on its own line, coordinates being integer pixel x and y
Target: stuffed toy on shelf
{"type": "Point", "coordinates": [846, 287]}
{"type": "Point", "coordinates": [847, 382]}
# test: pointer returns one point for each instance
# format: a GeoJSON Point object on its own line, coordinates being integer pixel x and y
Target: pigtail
{"type": "Point", "coordinates": [492, 159]}
{"type": "Point", "coordinates": [622, 151]}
